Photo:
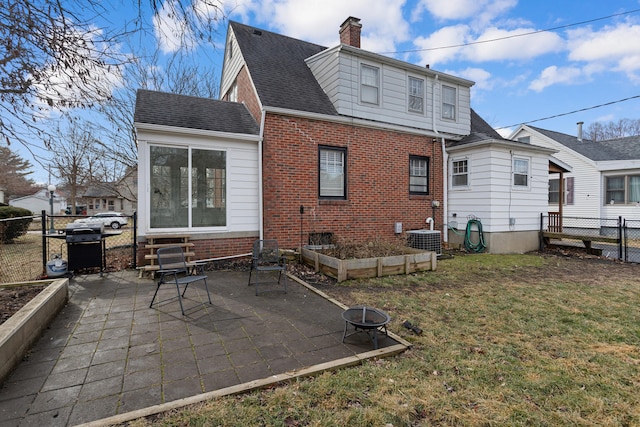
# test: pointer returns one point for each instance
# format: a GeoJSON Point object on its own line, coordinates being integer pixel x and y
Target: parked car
{"type": "Point", "coordinates": [114, 220]}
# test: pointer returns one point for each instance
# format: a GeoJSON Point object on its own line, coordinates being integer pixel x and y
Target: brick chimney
{"type": "Point", "coordinates": [350, 32]}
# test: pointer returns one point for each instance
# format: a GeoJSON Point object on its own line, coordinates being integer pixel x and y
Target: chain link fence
{"type": "Point", "coordinates": [25, 257]}
{"type": "Point", "coordinates": [612, 237]}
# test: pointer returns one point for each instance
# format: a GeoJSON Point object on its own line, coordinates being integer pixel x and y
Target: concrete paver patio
{"type": "Point", "coordinates": [108, 357]}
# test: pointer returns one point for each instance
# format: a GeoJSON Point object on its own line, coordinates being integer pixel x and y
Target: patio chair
{"type": "Point", "coordinates": [175, 270]}
{"type": "Point", "coordinates": [266, 261]}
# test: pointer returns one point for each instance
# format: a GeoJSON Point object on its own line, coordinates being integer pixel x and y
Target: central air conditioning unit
{"type": "Point", "coordinates": [428, 240]}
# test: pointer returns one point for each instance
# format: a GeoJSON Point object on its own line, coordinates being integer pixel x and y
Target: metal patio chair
{"type": "Point", "coordinates": [266, 261]}
{"type": "Point", "coordinates": [175, 270]}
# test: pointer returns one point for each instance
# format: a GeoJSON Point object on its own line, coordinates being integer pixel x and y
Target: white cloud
{"type": "Point", "coordinates": [448, 36]}
{"type": "Point", "coordinates": [614, 47]}
{"type": "Point", "coordinates": [383, 25]}
{"type": "Point", "coordinates": [481, 77]}
{"type": "Point", "coordinates": [557, 75]}
{"type": "Point", "coordinates": [482, 11]}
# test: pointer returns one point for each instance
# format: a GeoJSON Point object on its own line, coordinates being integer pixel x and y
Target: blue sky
{"type": "Point", "coordinates": [589, 56]}
{"type": "Point", "coordinates": [519, 79]}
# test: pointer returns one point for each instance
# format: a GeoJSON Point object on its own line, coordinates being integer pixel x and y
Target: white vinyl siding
{"type": "Point", "coordinates": [493, 199]}
{"type": "Point", "coordinates": [338, 73]}
{"type": "Point", "coordinates": [240, 196]}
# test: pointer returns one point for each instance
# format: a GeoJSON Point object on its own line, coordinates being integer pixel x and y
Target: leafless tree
{"type": "Point", "coordinates": [55, 58]}
{"type": "Point", "coordinates": [599, 131]}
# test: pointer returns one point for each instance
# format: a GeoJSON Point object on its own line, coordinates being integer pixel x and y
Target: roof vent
{"type": "Point", "coordinates": [257, 32]}
{"type": "Point", "coordinates": [580, 131]}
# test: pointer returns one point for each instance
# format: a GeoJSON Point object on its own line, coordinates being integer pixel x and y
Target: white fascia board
{"type": "Point", "coordinates": [618, 165]}
{"type": "Point", "coordinates": [197, 132]}
{"type": "Point", "coordinates": [511, 145]}
{"type": "Point", "coordinates": [360, 122]}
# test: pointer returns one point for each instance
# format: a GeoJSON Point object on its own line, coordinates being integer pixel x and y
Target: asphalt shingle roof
{"type": "Point", "coordinates": [168, 109]}
{"type": "Point", "coordinates": [279, 72]}
{"type": "Point", "coordinates": [480, 131]}
{"type": "Point", "coordinates": [614, 149]}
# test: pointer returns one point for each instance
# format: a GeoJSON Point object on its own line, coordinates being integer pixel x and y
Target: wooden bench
{"type": "Point", "coordinates": [586, 240]}
{"type": "Point", "coordinates": [157, 241]}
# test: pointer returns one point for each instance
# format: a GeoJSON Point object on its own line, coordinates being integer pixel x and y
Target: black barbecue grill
{"type": "Point", "coordinates": [85, 246]}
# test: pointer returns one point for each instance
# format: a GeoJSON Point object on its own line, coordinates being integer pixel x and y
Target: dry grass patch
{"type": "Point", "coordinates": [507, 341]}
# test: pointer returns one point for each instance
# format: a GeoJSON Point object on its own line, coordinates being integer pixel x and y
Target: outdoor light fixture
{"type": "Point", "coordinates": [51, 189]}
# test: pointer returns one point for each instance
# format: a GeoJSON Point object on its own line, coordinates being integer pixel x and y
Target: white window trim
{"type": "Point", "coordinates": [422, 95]}
{"type": "Point", "coordinates": [460, 187]}
{"type": "Point", "coordinates": [513, 173]}
{"type": "Point", "coordinates": [189, 146]}
{"type": "Point", "coordinates": [378, 85]}
{"type": "Point", "coordinates": [455, 105]}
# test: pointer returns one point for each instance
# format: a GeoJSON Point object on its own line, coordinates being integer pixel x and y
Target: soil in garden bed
{"type": "Point", "coordinates": [14, 298]}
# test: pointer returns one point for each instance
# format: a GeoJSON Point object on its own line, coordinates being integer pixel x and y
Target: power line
{"type": "Point", "coordinates": [572, 112]}
{"type": "Point", "coordinates": [515, 35]}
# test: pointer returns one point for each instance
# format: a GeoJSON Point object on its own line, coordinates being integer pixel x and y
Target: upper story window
{"type": "Point", "coordinates": [233, 92]}
{"type": "Point", "coordinates": [418, 175]}
{"type": "Point", "coordinates": [460, 173]}
{"type": "Point", "coordinates": [622, 189]}
{"type": "Point", "coordinates": [230, 49]}
{"type": "Point", "coordinates": [332, 176]}
{"type": "Point", "coordinates": [520, 172]}
{"type": "Point", "coordinates": [449, 98]}
{"type": "Point", "coordinates": [370, 84]}
{"type": "Point", "coordinates": [416, 95]}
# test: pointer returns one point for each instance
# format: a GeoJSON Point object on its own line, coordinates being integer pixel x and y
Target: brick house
{"type": "Point", "coordinates": [306, 142]}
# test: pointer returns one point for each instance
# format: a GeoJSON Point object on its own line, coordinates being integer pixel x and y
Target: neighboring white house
{"type": "Point", "coordinates": [501, 182]}
{"type": "Point", "coordinates": [604, 181]}
{"type": "Point", "coordinates": [39, 202]}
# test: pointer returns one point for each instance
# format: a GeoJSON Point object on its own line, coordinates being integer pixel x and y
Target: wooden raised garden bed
{"type": "Point", "coordinates": [411, 261]}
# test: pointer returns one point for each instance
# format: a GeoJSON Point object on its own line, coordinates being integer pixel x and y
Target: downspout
{"type": "Point", "coordinates": [445, 162]}
{"type": "Point", "coordinates": [260, 181]}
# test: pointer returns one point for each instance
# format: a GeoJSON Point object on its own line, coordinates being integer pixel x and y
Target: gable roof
{"type": "Point", "coordinates": [279, 71]}
{"type": "Point", "coordinates": [614, 149]}
{"type": "Point", "coordinates": [168, 109]}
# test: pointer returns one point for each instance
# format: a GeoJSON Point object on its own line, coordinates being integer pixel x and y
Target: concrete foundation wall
{"type": "Point", "coordinates": [515, 242]}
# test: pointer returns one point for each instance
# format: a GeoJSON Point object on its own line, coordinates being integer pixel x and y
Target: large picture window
{"type": "Point", "coordinates": [332, 173]}
{"type": "Point", "coordinates": [188, 187]}
{"type": "Point", "coordinates": [418, 175]}
{"type": "Point", "coordinates": [622, 189]}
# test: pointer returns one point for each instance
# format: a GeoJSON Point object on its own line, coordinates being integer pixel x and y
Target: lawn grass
{"type": "Point", "coordinates": [508, 340]}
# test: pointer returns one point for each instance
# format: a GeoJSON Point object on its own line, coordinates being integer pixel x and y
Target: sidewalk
{"type": "Point", "coordinates": [107, 353]}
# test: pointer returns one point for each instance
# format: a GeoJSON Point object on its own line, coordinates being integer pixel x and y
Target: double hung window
{"type": "Point", "coordinates": [449, 99]}
{"type": "Point", "coordinates": [370, 84]}
{"type": "Point", "coordinates": [332, 177]}
{"type": "Point", "coordinates": [418, 175]}
{"type": "Point", "coordinates": [520, 172]}
{"type": "Point", "coordinates": [416, 95]}
{"type": "Point", "coordinates": [459, 173]}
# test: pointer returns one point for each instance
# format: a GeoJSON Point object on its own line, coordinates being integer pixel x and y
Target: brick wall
{"type": "Point", "coordinates": [377, 183]}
